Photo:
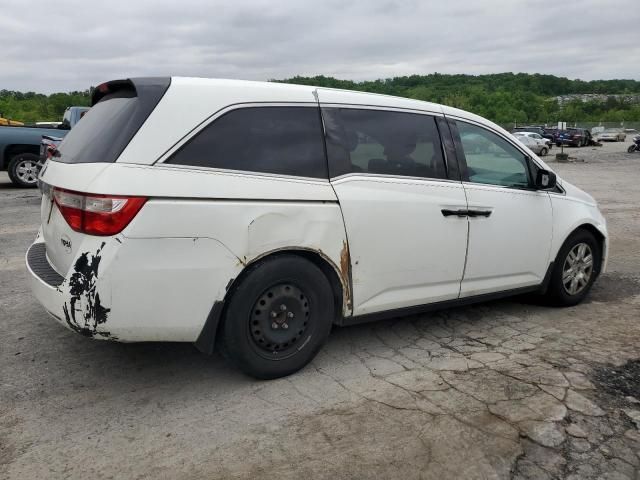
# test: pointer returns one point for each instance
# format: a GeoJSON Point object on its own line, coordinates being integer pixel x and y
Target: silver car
{"type": "Point", "coordinates": [535, 136]}
{"type": "Point", "coordinates": [612, 135]}
{"type": "Point", "coordinates": [539, 147]}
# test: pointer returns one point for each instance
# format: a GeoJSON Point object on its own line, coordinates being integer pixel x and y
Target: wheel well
{"type": "Point", "coordinates": [12, 150]}
{"type": "Point", "coordinates": [329, 272]}
{"type": "Point", "coordinates": [314, 257]}
{"type": "Point", "coordinates": [205, 341]}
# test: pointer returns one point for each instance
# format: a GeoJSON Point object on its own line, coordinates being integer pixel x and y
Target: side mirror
{"type": "Point", "coordinates": [545, 180]}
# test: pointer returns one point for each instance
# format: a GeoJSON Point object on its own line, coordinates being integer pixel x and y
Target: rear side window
{"type": "Point", "coordinates": [383, 142]}
{"type": "Point", "coordinates": [277, 140]}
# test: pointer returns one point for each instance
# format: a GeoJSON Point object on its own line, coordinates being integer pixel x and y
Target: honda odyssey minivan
{"type": "Point", "coordinates": [254, 216]}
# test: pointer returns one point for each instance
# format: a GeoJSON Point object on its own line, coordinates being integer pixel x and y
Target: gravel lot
{"type": "Point", "coordinates": [508, 389]}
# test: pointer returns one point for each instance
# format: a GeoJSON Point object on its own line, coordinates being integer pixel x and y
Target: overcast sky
{"type": "Point", "coordinates": [67, 45]}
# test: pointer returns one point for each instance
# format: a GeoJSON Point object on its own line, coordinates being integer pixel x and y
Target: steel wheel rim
{"type": "Point", "coordinates": [279, 321]}
{"type": "Point", "coordinates": [577, 269]}
{"type": "Point", "coordinates": [27, 171]}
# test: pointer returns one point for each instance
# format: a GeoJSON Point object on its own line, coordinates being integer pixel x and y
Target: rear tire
{"type": "Point", "coordinates": [23, 170]}
{"type": "Point", "coordinates": [576, 268]}
{"type": "Point", "coordinates": [278, 317]}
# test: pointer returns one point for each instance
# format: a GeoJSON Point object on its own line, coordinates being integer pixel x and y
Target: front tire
{"type": "Point", "coordinates": [278, 317]}
{"type": "Point", "coordinates": [23, 170]}
{"type": "Point", "coordinates": [544, 152]}
{"type": "Point", "coordinates": [631, 149]}
{"type": "Point", "coordinates": [575, 270]}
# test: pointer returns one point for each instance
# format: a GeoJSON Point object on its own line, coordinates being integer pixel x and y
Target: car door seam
{"type": "Point", "coordinates": [466, 251]}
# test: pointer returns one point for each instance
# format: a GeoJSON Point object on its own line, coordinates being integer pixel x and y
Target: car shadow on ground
{"type": "Point", "coordinates": [155, 363]}
{"type": "Point", "coordinates": [142, 361]}
{"type": "Point", "coordinates": [15, 188]}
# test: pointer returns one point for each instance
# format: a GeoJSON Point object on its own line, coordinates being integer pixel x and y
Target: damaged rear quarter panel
{"type": "Point", "coordinates": [252, 229]}
{"type": "Point", "coordinates": [87, 306]}
{"type": "Point", "coordinates": [145, 289]}
{"type": "Point", "coordinates": [163, 288]}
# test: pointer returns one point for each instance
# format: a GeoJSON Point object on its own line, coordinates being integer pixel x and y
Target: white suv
{"type": "Point", "coordinates": [258, 215]}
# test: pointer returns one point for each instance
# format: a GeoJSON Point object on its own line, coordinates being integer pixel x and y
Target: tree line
{"type": "Point", "coordinates": [504, 97]}
{"type": "Point", "coordinates": [32, 107]}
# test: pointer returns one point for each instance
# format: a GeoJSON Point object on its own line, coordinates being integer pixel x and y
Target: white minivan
{"type": "Point", "coordinates": [255, 216]}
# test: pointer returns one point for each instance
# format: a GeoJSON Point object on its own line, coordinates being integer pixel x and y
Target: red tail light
{"type": "Point", "coordinates": [97, 214]}
{"type": "Point", "coordinates": [50, 150]}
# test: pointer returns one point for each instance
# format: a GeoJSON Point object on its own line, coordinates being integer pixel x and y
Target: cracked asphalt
{"type": "Point", "coordinates": [507, 389]}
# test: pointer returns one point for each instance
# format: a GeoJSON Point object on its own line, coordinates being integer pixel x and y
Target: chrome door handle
{"type": "Point", "coordinates": [459, 213]}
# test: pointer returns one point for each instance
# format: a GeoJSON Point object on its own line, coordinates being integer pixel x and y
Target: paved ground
{"type": "Point", "coordinates": [500, 390]}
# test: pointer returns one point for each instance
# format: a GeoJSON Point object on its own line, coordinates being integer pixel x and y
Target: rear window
{"type": "Point", "coordinates": [116, 116]}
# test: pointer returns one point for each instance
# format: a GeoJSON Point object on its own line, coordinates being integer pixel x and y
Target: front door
{"type": "Point", "coordinates": [510, 223]}
{"type": "Point", "coordinates": [407, 244]}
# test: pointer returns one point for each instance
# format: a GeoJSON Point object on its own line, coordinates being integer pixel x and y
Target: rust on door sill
{"type": "Point", "coordinates": [345, 272]}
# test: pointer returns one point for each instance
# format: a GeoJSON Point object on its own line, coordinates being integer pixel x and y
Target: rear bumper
{"type": "Point", "coordinates": [150, 289]}
{"type": "Point", "coordinates": [45, 282]}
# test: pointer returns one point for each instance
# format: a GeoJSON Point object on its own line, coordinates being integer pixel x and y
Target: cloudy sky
{"type": "Point", "coordinates": [72, 44]}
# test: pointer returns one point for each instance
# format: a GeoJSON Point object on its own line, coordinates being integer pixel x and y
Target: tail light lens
{"type": "Point", "coordinates": [93, 214]}
{"type": "Point", "coordinates": [50, 150]}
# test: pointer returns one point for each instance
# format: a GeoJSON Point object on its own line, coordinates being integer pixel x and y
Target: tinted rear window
{"type": "Point", "coordinates": [108, 127]}
{"type": "Point", "coordinates": [278, 140]}
{"type": "Point", "coordinates": [94, 138]}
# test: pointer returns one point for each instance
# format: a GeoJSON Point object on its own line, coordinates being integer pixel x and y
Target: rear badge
{"type": "Point", "coordinates": [66, 243]}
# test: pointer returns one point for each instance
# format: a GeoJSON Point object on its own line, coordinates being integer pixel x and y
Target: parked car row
{"type": "Point", "coordinates": [542, 131]}
{"type": "Point", "coordinates": [572, 136]}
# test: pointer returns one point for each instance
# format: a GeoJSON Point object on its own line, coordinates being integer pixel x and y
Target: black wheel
{"type": "Point", "coordinates": [631, 149]}
{"type": "Point", "coordinates": [543, 152]}
{"type": "Point", "coordinates": [23, 170]}
{"type": "Point", "coordinates": [278, 317]}
{"type": "Point", "coordinates": [576, 268]}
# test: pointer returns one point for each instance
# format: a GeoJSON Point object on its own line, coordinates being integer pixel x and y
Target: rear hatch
{"type": "Point", "coordinates": [75, 219]}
